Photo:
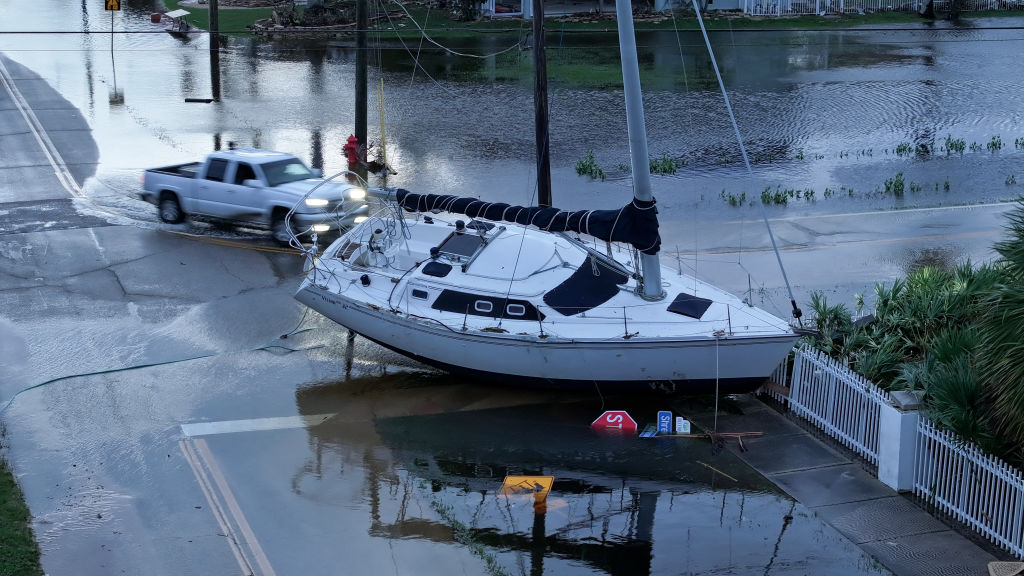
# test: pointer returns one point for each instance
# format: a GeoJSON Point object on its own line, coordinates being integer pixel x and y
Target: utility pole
{"type": "Point", "coordinates": [362, 23]}
{"type": "Point", "coordinates": [540, 106]}
{"type": "Point", "coordinates": [214, 26]}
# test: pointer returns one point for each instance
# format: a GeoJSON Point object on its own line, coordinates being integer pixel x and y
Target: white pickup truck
{"type": "Point", "coordinates": [252, 187]}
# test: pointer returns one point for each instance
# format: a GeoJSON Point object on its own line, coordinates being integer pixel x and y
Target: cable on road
{"type": "Point", "coordinates": [97, 373]}
{"type": "Point", "coordinates": [265, 347]}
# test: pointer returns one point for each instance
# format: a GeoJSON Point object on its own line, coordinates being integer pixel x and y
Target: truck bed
{"type": "Point", "coordinates": [188, 170]}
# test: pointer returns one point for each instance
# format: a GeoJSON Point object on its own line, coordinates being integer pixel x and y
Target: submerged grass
{"type": "Point", "coordinates": [19, 553]}
{"type": "Point", "coordinates": [464, 535]}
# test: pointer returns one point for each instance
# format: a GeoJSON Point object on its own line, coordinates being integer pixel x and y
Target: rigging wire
{"type": "Point", "coordinates": [746, 161]}
{"type": "Point", "coordinates": [753, 32]}
{"type": "Point", "coordinates": [424, 35]}
{"type": "Point", "coordinates": [416, 58]}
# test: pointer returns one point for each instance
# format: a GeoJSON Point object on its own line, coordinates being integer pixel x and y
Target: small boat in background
{"type": "Point", "coordinates": [177, 23]}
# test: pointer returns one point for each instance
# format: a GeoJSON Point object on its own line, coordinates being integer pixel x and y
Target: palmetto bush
{"type": "Point", "coordinates": [1001, 330]}
{"type": "Point", "coordinates": [955, 333]}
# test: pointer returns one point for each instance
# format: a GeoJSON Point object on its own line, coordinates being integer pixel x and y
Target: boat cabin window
{"type": "Point", "coordinates": [480, 305]}
{"type": "Point", "coordinates": [419, 294]}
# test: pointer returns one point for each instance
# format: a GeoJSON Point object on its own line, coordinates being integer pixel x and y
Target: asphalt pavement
{"type": "Point", "coordinates": [134, 331]}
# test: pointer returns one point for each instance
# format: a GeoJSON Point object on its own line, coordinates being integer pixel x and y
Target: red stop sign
{"type": "Point", "coordinates": [615, 421]}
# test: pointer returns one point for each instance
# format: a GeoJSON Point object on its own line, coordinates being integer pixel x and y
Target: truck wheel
{"type": "Point", "coordinates": [282, 235]}
{"type": "Point", "coordinates": [170, 209]}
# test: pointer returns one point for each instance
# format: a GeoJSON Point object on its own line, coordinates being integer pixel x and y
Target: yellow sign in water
{"type": "Point", "coordinates": [113, 4]}
{"type": "Point", "coordinates": [538, 486]}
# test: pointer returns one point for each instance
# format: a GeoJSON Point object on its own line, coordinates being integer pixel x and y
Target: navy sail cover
{"type": "Point", "coordinates": [635, 223]}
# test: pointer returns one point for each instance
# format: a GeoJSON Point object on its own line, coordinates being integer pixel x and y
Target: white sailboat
{"type": "Point", "coordinates": [521, 295]}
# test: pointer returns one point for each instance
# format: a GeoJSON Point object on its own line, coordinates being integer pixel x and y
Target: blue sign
{"type": "Point", "coordinates": [664, 422]}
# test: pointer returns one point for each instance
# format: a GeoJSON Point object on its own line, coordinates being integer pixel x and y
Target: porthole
{"type": "Point", "coordinates": [419, 294]}
{"type": "Point", "coordinates": [483, 306]}
{"type": "Point", "coordinates": [516, 310]}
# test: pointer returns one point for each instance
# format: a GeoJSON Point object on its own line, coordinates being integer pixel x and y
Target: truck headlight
{"type": "Point", "coordinates": [356, 194]}
{"type": "Point", "coordinates": [316, 202]}
{"type": "Point", "coordinates": [359, 220]}
{"type": "Point", "coordinates": [321, 228]}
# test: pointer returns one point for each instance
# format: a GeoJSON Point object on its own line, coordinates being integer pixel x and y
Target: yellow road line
{"type": "Point", "coordinates": [204, 466]}
{"type": "Point", "coordinates": [215, 507]}
{"type": "Point", "coordinates": [234, 508]}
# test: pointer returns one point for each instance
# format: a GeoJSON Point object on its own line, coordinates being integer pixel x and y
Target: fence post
{"type": "Point", "coordinates": [897, 440]}
{"type": "Point", "coordinates": [795, 380]}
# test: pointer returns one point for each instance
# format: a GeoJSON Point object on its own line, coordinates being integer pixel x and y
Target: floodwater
{"type": "Point", "coordinates": [839, 113]}
{"type": "Point", "coordinates": [618, 505]}
{"type": "Point", "coordinates": [836, 113]}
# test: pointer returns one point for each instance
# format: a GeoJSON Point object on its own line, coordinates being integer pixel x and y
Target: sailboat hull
{"type": "Point", "coordinates": [694, 365]}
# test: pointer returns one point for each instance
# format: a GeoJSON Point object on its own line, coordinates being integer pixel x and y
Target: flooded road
{"type": "Point", "coordinates": [177, 410]}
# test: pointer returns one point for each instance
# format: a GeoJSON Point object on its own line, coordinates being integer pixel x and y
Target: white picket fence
{"type": "Point", "coordinates": [955, 477]}
{"type": "Point", "coordinates": [842, 403]}
{"type": "Point", "coordinates": [974, 488]}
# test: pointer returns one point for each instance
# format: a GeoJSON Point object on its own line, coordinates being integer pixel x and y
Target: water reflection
{"type": "Point", "coordinates": [818, 109]}
{"type": "Point", "coordinates": [618, 506]}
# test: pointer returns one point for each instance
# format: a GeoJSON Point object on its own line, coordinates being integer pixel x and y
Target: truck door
{"type": "Point", "coordinates": [233, 200]}
{"type": "Point", "coordinates": [211, 196]}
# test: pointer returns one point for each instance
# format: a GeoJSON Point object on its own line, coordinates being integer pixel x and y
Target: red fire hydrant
{"type": "Point", "coordinates": [351, 149]}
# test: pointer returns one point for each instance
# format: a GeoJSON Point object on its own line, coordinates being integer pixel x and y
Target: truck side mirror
{"type": "Point", "coordinates": [317, 173]}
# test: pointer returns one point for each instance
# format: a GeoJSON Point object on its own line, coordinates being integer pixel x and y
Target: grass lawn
{"type": "Point", "coordinates": [19, 553]}
{"type": "Point", "coordinates": [231, 21]}
{"type": "Point", "coordinates": [440, 23]}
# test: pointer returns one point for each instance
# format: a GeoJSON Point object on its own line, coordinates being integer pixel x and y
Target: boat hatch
{"type": "Point", "coordinates": [460, 245]}
{"type": "Point", "coordinates": [438, 269]}
{"type": "Point", "coordinates": [688, 305]}
{"type": "Point", "coordinates": [591, 285]}
{"type": "Point", "coordinates": [491, 306]}
{"type": "Point", "coordinates": [479, 225]}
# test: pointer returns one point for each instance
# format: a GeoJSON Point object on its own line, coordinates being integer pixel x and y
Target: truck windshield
{"type": "Point", "coordinates": [284, 171]}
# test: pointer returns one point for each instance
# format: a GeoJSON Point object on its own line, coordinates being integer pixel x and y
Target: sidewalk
{"type": "Point", "coordinates": [890, 527]}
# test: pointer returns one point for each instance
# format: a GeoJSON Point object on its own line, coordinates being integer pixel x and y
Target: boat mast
{"type": "Point", "coordinates": [650, 265]}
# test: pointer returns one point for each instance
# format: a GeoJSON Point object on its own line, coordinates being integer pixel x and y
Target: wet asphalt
{"type": "Point", "coordinates": [170, 409]}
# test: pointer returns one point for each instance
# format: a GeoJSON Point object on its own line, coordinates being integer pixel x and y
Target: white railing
{"type": "Point", "coordinates": [954, 477]}
{"type": "Point", "coordinates": [979, 490]}
{"type": "Point", "coordinates": [844, 404]}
